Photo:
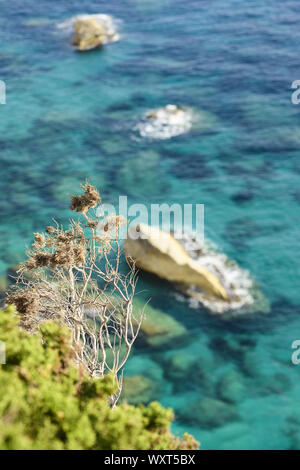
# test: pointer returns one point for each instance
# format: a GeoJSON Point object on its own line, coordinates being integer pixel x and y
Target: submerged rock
{"type": "Point", "coordinates": [291, 429]}
{"type": "Point", "coordinates": [91, 31]}
{"type": "Point", "coordinates": [178, 367]}
{"type": "Point", "coordinates": [166, 122]}
{"type": "Point", "coordinates": [141, 364]}
{"type": "Point", "coordinates": [142, 175]}
{"type": "Point", "coordinates": [230, 387]}
{"type": "Point", "coordinates": [186, 371]}
{"type": "Point", "coordinates": [139, 389]}
{"type": "Point", "coordinates": [277, 383]}
{"type": "Point", "coordinates": [232, 346]}
{"type": "Point", "coordinates": [250, 364]}
{"type": "Point", "coordinates": [157, 328]}
{"type": "Point", "coordinates": [173, 120]}
{"type": "Point", "coordinates": [209, 413]}
{"type": "Point", "coordinates": [160, 253]}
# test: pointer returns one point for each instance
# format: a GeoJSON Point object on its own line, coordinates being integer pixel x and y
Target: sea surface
{"type": "Point", "coordinates": [70, 116]}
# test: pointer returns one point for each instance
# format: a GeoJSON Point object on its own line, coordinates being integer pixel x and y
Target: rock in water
{"type": "Point", "coordinates": [230, 387]}
{"type": "Point", "coordinates": [206, 276]}
{"type": "Point", "coordinates": [173, 120]}
{"type": "Point", "coordinates": [91, 31]}
{"type": "Point", "coordinates": [166, 122]}
{"type": "Point", "coordinates": [209, 413]}
{"type": "Point", "coordinates": [158, 328]}
{"type": "Point", "coordinates": [160, 253]}
{"type": "Point", "coordinates": [139, 389]}
{"type": "Point", "coordinates": [89, 34]}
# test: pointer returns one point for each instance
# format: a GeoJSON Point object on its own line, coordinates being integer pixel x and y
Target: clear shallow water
{"type": "Point", "coordinates": [69, 116]}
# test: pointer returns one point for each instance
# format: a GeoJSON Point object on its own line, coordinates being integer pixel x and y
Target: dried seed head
{"type": "Point", "coordinates": [62, 257]}
{"type": "Point", "coordinates": [29, 264]}
{"type": "Point", "coordinates": [42, 258]}
{"type": "Point", "coordinates": [50, 230]}
{"type": "Point", "coordinates": [64, 237]}
{"type": "Point", "coordinates": [79, 255]}
{"type": "Point", "coordinates": [26, 301]}
{"type": "Point", "coordinates": [39, 240]}
{"type": "Point", "coordinates": [92, 224]}
{"type": "Point", "coordinates": [50, 243]}
{"type": "Point", "coordinates": [89, 199]}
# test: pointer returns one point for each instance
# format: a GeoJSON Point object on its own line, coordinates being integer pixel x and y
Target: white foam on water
{"type": "Point", "coordinates": [108, 22]}
{"type": "Point", "coordinates": [165, 123]}
{"type": "Point", "coordinates": [237, 281]}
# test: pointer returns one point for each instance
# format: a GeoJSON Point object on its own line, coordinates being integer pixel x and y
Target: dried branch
{"type": "Point", "coordinates": [75, 278]}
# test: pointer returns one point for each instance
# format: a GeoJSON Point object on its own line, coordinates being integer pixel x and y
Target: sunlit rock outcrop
{"type": "Point", "coordinates": [158, 328]}
{"type": "Point", "coordinates": [207, 277]}
{"type": "Point", "coordinates": [91, 31]}
{"type": "Point", "coordinates": [88, 34]}
{"type": "Point", "coordinates": [160, 253]}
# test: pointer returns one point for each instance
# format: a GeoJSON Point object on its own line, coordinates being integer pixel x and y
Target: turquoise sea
{"type": "Point", "coordinates": [69, 116]}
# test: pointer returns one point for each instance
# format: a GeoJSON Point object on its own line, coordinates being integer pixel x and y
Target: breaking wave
{"type": "Point", "coordinates": [165, 123]}
{"type": "Point", "coordinates": [244, 293]}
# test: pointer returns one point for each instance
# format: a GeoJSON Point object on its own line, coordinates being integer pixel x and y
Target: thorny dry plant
{"type": "Point", "coordinates": [75, 278]}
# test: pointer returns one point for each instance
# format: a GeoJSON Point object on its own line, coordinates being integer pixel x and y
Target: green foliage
{"type": "Point", "coordinates": [47, 402]}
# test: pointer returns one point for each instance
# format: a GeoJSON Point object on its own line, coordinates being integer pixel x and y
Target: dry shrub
{"type": "Point", "coordinates": [75, 277]}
